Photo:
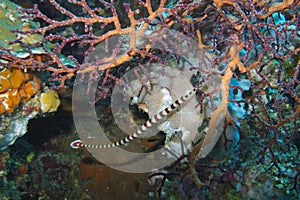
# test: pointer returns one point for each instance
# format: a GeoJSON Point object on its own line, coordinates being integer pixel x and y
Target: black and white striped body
{"type": "Point", "coordinates": [154, 120]}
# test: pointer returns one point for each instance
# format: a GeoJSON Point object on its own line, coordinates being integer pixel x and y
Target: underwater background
{"type": "Point", "coordinates": [217, 80]}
